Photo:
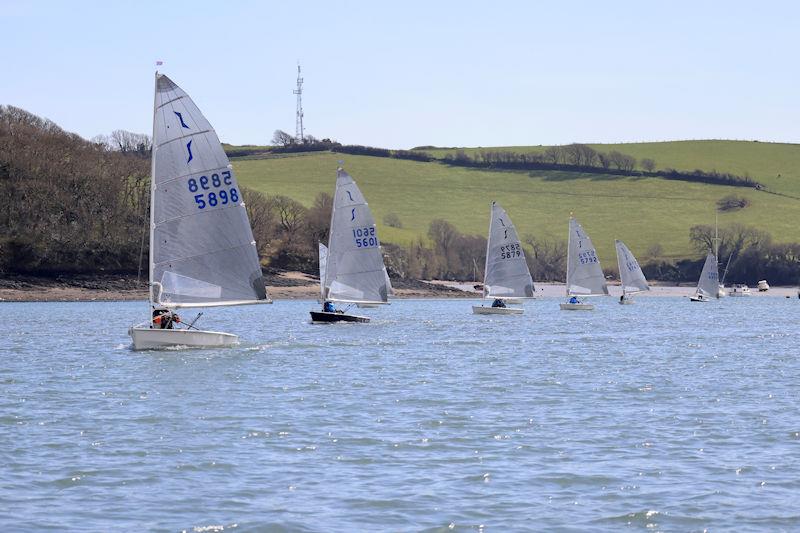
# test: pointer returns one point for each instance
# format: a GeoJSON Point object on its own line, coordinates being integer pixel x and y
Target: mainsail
{"type": "Point", "coordinates": [323, 262]}
{"type": "Point", "coordinates": [355, 271]}
{"type": "Point", "coordinates": [584, 275]}
{"type": "Point", "coordinates": [202, 251]}
{"type": "Point", "coordinates": [709, 278]}
{"type": "Point", "coordinates": [630, 273]}
{"type": "Point", "coordinates": [507, 274]}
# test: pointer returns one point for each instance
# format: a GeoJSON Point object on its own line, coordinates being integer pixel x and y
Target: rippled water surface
{"type": "Point", "coordinates": [662, 415]}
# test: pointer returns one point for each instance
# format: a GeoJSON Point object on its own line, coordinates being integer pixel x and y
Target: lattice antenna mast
{"type": "Point", "coordinates": [298, 130]}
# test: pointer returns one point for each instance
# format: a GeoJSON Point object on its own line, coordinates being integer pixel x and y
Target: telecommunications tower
{"type": "Point", "coordinates": [298, 131]}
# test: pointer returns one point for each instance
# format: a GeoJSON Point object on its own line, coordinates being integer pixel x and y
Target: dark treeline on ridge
{"type": "Point", "coordinates": [71, 206]}
{"type": "Point", "coordinates": [583, 158]}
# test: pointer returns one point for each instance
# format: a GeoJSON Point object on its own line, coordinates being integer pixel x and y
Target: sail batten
{"type": "Point", "coordinates": [630, 273]}
{"type": "Point", "coordinates": [354, 269]}
{"type": "Point", "coordinates": [506, 273]}
{"type": "Point", "coordinates": [584, 274]}
{"type": "Point", "coordinates": [202, 248]}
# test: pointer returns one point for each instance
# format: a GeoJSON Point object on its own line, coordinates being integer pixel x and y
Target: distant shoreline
{"type": "Point", "coordinates": [292, 286]}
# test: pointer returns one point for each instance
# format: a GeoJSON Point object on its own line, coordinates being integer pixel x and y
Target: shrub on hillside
{"type": "Point", "coordinates": [732, 203]}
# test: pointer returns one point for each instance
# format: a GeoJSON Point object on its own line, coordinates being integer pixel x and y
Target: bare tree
{"type": "Point", "coordinates": [281, 138]}
{"type": "Point", "coordinates": [648, 164]}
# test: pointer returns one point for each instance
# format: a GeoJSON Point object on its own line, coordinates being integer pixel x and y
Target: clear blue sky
{"type": "Point", "coordinates": [400, 74]}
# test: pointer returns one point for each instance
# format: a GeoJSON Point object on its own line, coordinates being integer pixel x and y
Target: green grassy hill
{"type": "Point", "coordinates": [640, 211]}
{"type": "Point", "coordinates": [776, 165]}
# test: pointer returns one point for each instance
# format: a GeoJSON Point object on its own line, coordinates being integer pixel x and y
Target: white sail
{"type": "Point", "coordinates": [708, 284]}
{"type": "Point", "coordinates": [584, 274]}
{"type": "Point", "coordinates": [630, 273]}
{"type": "Point", "coordinates": [355, 271]}
{"type": "Point", "coordinates": [390, 289]}
{"type": "Point", "coordinates": [323, 261]}
{"type": "Point", "coordinates": [202, 251]}
{"type": "Point", "coordinates": [506, 273]}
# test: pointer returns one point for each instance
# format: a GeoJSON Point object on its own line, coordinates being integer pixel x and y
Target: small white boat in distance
{"type": "Point", "coordinates": [739, 290]}
{"type": "Point", "coordinates": [630, 274]}
{"type": "Point", "coordinates": [507, 276]}
{"type": "Point", "coordinates": [202, 251]}
{"type": "Point", "coordinates": [708, 284]}
{"type": "Point", "coordinates": [584, 274]}
{"type": "Point", "coordinates": [763, 286]}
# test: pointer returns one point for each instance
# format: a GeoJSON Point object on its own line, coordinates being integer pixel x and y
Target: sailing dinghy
{"type": "Point", "coordinates": [506, 272]}
{"type": "Point", "coordinates": [630, 274]}
{"type": "Point", "coordinates": [354, 269]}
{"type": "Point", "coordinates": [584, 275]}
{"type": "Point", "coordinates": [708, 284]}
{"type": "Point", "coordinates": [202, 252]}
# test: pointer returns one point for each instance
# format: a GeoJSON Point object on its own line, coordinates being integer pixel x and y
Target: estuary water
{"type": "Point", "coordinates": [663, 415]}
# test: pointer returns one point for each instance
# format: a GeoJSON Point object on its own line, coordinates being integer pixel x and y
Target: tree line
{"type": "Point", "coordinates": [583, 158]}
{"type": "Point", "coordinates": [68, 205]}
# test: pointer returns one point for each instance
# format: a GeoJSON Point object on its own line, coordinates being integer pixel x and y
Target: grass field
{"type": "Point", "coordinates": [776, 165]}
{"type": "Point", "coordinates": [640, 211]}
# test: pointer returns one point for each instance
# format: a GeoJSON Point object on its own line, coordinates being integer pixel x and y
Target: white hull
{"type": "Point", "coordinates": [626, 301]}
{"type": "Point", "coordinates": [486, 310]}
{"type": "Point", "coordinates": [576, 307]}
{"type": "Point", "coordinates": [698, 298]}
{"type": "Point", "coordinates": [145, 338]}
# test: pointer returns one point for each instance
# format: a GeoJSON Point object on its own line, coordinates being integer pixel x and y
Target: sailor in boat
{"type": "Point", "coordinates": [498, 303]}
{"type": "Point", "coordinates": [328, 307]}
{"type": "Point", "coordinates": [622, 298]}
{"type": "Point", "coordinates": [573, 300]}
{"type": "Point", "coordinates": [165, 319]}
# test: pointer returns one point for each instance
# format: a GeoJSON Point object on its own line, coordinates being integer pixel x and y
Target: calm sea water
{"type": "Point", "coordinates": [664, 415]}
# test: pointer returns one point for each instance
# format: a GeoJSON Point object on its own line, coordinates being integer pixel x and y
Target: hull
{"type": "Point", "coordinates": [145, 338]}
{"type": "Point", "coordinates": [698, 299]}
{"type": "Point", "coordinates": [626, 301]}
{"type": "Point", "coordinates": [485, 310]}
{"type": "Point", "coordinates": [576, 307]}
{"type": "Point", "coordinates": [321, 317]}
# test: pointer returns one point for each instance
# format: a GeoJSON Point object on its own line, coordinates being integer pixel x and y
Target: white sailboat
{"type": "Point", "coordinates": [708, 285]}
{"type": "Point", "coordinates": [354, 269]}
{"type": "Point", "coordinates": [584, 274]}
{"type": "Point", "coordinates": [506, 273]}
{"type": "Point", "coordinates": [202, 252]}
{"type": "Point", "coordinates": [630, 274]}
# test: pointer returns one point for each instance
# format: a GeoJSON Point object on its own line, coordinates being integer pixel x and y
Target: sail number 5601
{"type": "Point", "coordinates": [365, 237]}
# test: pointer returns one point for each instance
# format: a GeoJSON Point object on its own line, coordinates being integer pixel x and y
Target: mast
{"type": "Point", "coordinates": [330, 233]}
{"type": "Point", "coordinates": [298, 130]}
{"type": "Point", "coordinates": [153, 148]}
{"type": "Point", "coordinates": [569, 250]}
{"type": "Point", "coordinates": [486, 263]}
{"type": "Point", "coordinates": [619, 267]}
